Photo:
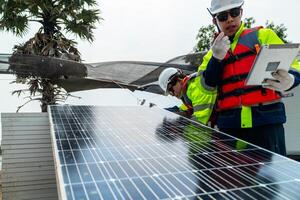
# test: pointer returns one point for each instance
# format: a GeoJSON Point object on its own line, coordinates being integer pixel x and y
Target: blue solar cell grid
{"type": "Point", "coordinates": [149, 153]}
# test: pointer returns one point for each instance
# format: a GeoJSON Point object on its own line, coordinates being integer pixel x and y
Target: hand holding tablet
{"type": "Point", "coordinates": [270, 59]}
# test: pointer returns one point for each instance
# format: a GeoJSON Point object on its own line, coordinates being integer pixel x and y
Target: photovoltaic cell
{"type": "Point", "coordinates": [150, 153]}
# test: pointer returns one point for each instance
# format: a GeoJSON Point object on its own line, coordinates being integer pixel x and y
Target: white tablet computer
{"type": "Point", "coordinates": [271, 58]}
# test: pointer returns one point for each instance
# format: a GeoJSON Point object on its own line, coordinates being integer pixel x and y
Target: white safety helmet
{"type": "Point", "coordinates": [166, 76]}
{"type": "Point", "coordinates": [218, 6]}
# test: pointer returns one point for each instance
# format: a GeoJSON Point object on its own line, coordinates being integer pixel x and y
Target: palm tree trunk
{"type": "Point", "coordinates": [48, 96]}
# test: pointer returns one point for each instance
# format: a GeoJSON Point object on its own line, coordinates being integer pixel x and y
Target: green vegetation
{"type": "Point", "coordinates": [206, 33]}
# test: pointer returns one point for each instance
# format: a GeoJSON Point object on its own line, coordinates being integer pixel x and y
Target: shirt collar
{"type": "Point", "coordinates": [239, 32]}
{"type": "Point", "coordinates": [237, 35]}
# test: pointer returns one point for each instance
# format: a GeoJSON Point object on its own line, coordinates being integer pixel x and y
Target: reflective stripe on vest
{"type": "Point", "coordinates": [233, 92]}
{"type": "Point", "coordinates": [203, 107]}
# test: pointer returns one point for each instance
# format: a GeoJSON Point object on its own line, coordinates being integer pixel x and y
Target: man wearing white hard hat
{"type": "Point", "coordinates": [255, 114]}
{"type": "Point", "coordinates": [198, 102]}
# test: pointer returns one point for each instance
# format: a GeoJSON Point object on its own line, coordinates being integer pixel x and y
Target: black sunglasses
{"type": "Point", "coordinates": [223, 16]}
{"type": "Point", "coordinates": [172, 82]}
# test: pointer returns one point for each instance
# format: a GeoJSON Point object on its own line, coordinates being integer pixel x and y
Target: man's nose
{"type": "Point", "coordinates": [229, 18]}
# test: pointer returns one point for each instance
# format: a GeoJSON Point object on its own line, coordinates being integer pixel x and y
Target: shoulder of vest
{"type": "Point", "coordinates": [194, 75]}
{"type": "Point", "coordinates": [251, 30]}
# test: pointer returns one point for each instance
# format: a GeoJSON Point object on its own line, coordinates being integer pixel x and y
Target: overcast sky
{"type": "Point", "coordinates": [152, 30]}
{"type": "Point", "coordinates": [157, 30]}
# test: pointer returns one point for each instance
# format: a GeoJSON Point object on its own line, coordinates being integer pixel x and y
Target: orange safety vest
{"type": "Point", "coordinates": [233, 92]}
{"type": "Point", "coordinates": [185, 99]}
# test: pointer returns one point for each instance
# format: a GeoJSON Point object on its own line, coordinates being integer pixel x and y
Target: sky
{"type": "Point", "coordinates": [156, 30]}
{"type": "Point", "coordinates": [144, 30]}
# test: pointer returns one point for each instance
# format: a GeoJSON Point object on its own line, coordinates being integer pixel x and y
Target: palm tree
{"type": "Point", "coordinates": [72, 16]}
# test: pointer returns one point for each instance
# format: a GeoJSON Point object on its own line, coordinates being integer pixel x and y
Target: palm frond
{"type": "Point", "coordinates": [78, 17]}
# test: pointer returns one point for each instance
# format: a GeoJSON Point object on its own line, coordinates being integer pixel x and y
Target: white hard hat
{"type": "Point", "coordinates": [165, 77]}
{"type": "Point", "coordinates": [218, 6]}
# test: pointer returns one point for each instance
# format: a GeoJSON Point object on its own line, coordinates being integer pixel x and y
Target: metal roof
{"type": "Point", "coordinates": [27, 166]}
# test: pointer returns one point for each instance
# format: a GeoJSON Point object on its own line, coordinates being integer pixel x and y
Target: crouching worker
{"type": "Point", "coordinates": [198, 102]}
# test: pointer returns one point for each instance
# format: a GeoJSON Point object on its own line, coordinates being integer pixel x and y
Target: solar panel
{"type": "Point", "coordinates": [150, 153]}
